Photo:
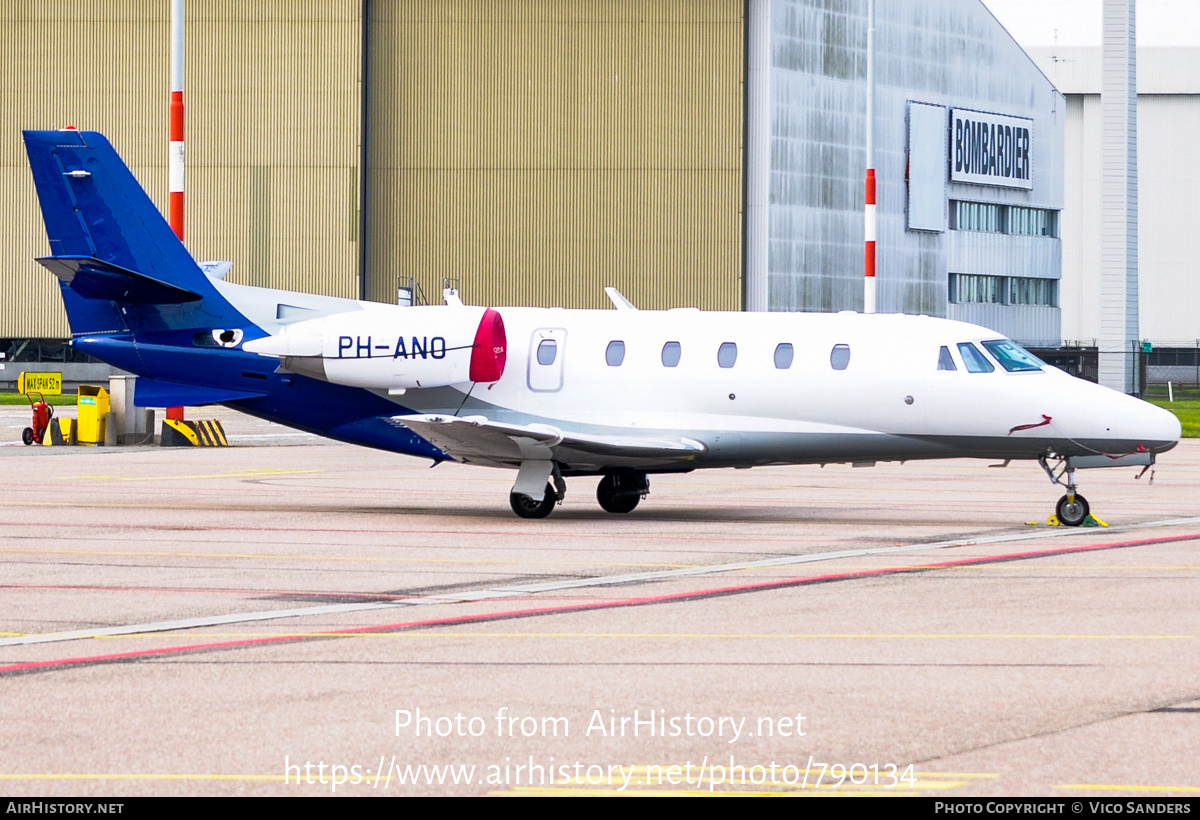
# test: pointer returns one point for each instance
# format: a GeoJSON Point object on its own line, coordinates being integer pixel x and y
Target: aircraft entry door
{"type": "Point", "coordinates": [546, 354]}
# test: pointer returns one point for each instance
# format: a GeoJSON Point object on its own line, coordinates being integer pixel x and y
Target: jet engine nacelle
{"type": "Point", "coordinates": [393, 347]}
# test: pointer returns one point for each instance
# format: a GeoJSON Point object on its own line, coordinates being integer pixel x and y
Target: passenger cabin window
{"type": "Point", "coordinates": [839, 357]}
{"type": "Point", "coordinates": [975, 361]}
{"type": "Point", "coordinates": [670, 354]}
{"type": "Point", "coordinates": [546, 351]}
{"type": "Point", "coordinates": [615, 354]}
{"type": "Point", "coordinates": [945, 360]}
{"type": "Point", "coordinates": [1012, 356]}
{"type": "Point", "coordinates": [727, 354]}
{"type": "Point", "coordinates": [783, 356]}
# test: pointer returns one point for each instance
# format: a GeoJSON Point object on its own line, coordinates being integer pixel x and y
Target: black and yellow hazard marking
{"type": "Point", "coordinates": [62, 431]}
{"type": "Point", "coordinates": [202, 433]}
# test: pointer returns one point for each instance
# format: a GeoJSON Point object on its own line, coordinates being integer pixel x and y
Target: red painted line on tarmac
{"type": "Point", "coordinates": [200, 529]}
{"type": "Point", "coordinates": [692, 595]}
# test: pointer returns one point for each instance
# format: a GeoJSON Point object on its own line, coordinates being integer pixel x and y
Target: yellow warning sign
{"type": "Point", "coordinates": [49, 384]}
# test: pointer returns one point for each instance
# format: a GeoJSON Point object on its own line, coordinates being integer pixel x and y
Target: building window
{"type": "Point", "coordinates": [1010, 219]}
{"type": "Point", "coordinates": [1025, 291]}
{"type": "Point", "coordinates": [1031, 221]}
{"type": "Point", "coordinates": [976, 216]}
{"type": "Point", "coordinates": [966, 288]}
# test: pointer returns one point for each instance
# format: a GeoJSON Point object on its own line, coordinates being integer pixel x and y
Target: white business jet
{"type": "Point", "coordinates": [553, 393]}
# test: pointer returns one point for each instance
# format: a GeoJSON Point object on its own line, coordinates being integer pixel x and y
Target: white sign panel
{"type": "Point", "coordinates": [926, 167]}
{"type": "Point", "coordinates": [990, 149]}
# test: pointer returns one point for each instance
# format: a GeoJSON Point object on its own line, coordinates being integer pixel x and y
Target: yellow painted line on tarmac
{"type": "Point", "coordinates": [129, 776]}
{"type": "Point", "coordinates": [926, 782]}
{"type": "Point", "coordinates": [1113, 787]}
{"type": "Point", "coordinates": [238, 474]}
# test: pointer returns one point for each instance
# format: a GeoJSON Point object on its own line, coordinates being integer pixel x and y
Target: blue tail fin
{"type": "Point", "coordinates": [121, 266]}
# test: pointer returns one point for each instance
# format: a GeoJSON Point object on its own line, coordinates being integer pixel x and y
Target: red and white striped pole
{"type": "Point", "coordinates": [175, 212]}
{"type": "Point", "coordinates": [869, 209]}
{"type": "Point", "coordinates": [175, 166]}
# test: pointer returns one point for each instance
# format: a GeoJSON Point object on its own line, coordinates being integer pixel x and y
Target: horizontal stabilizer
{"type": "Point", "coordinates": [477, 439]}
{"type": "Point", "coordinates": [155, 393]}
{"type": "Point", "coordinates": [93, 279]}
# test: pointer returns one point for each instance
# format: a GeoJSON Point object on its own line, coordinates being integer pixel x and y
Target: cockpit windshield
{"type": "Point", "coordinates": [975, 361]}
{"type": "Point", "coordinates": [1012, 356]}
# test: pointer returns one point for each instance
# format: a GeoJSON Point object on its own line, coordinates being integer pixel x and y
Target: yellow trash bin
{"type": "Point", "coordinates": [93, 414]}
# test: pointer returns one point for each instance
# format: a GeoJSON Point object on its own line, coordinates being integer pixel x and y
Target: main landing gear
{"type": "Point", "coordinates": [617, 493]}
{"type": "Point", "coordinates": [621, 492]}
{"type": "Point", "coordinates": [1072, 509]}
{"type": "Point", "coordinates": [527, 507]}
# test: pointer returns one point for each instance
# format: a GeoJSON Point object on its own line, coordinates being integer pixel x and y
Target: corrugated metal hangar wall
{"type": "Point", "coordinates": [540, 151]}
{"type": "Point", "coordinates": [536, 151]}
{"type": "Point", "coordinates": [272, 133]}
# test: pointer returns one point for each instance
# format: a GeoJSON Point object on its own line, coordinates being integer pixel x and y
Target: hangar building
{"type": "Point", "coordinates": [706, 153]}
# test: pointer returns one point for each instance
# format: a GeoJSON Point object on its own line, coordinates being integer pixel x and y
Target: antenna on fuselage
{"type": "Point", "coordinates": [618, 299]}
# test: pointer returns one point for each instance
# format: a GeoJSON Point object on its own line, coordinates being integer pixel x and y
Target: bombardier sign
{"type": "Point", "coordinates": [990, 149]}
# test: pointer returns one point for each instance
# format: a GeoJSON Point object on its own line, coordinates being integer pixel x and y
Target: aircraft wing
{"type": "Point", "coordinates": [478, 440]}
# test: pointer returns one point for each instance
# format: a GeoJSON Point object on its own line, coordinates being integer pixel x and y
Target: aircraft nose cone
{"type": "Point", "coordinates": [1161, 427]}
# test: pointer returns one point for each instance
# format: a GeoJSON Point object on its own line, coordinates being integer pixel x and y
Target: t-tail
{"type": "Point", "coordinates": [123, 271]}
{"type": "Point", "coordinates": [136, 298]}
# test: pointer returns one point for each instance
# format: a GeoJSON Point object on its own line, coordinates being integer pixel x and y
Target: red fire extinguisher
{"type": "Point", "coordinates": [42, 413]}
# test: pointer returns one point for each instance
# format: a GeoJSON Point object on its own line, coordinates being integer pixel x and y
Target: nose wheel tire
{"type": "Point", "coordinates": [1072, 513]}
{"type": "Point", "coordinates": [527, 507]}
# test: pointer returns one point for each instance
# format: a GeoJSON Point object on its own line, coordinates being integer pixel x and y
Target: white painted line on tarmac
{"type": "Point", "coordinates": [190, 623]}
{"type": "Point", "coordinates": [574, 583]}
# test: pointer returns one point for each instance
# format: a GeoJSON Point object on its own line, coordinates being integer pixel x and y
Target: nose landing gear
{"type": "Point", "coordinates": [1073, 508]}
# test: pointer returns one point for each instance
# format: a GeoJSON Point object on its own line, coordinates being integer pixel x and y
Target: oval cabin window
{"type": "Point", "coordinates": [615, 354]}
{"type": "Point", "coordinates": [783, 356]}
{"type": "Point", "coordinates": [670, 354]}
{"type": "Point", "coordinates": [727, 354]}
{"type": "Point", "coordinates": [839, 357]}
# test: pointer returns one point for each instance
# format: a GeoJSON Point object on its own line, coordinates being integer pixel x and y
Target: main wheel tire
{"type": "Point", "coordinates": [526, 507]}
{"type": "Point", "coordinates": [27, 436]}
{"type": "Point", "coordinates": [1072, 514]}
{"type": "Point", "coordinates": [615, 500]}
